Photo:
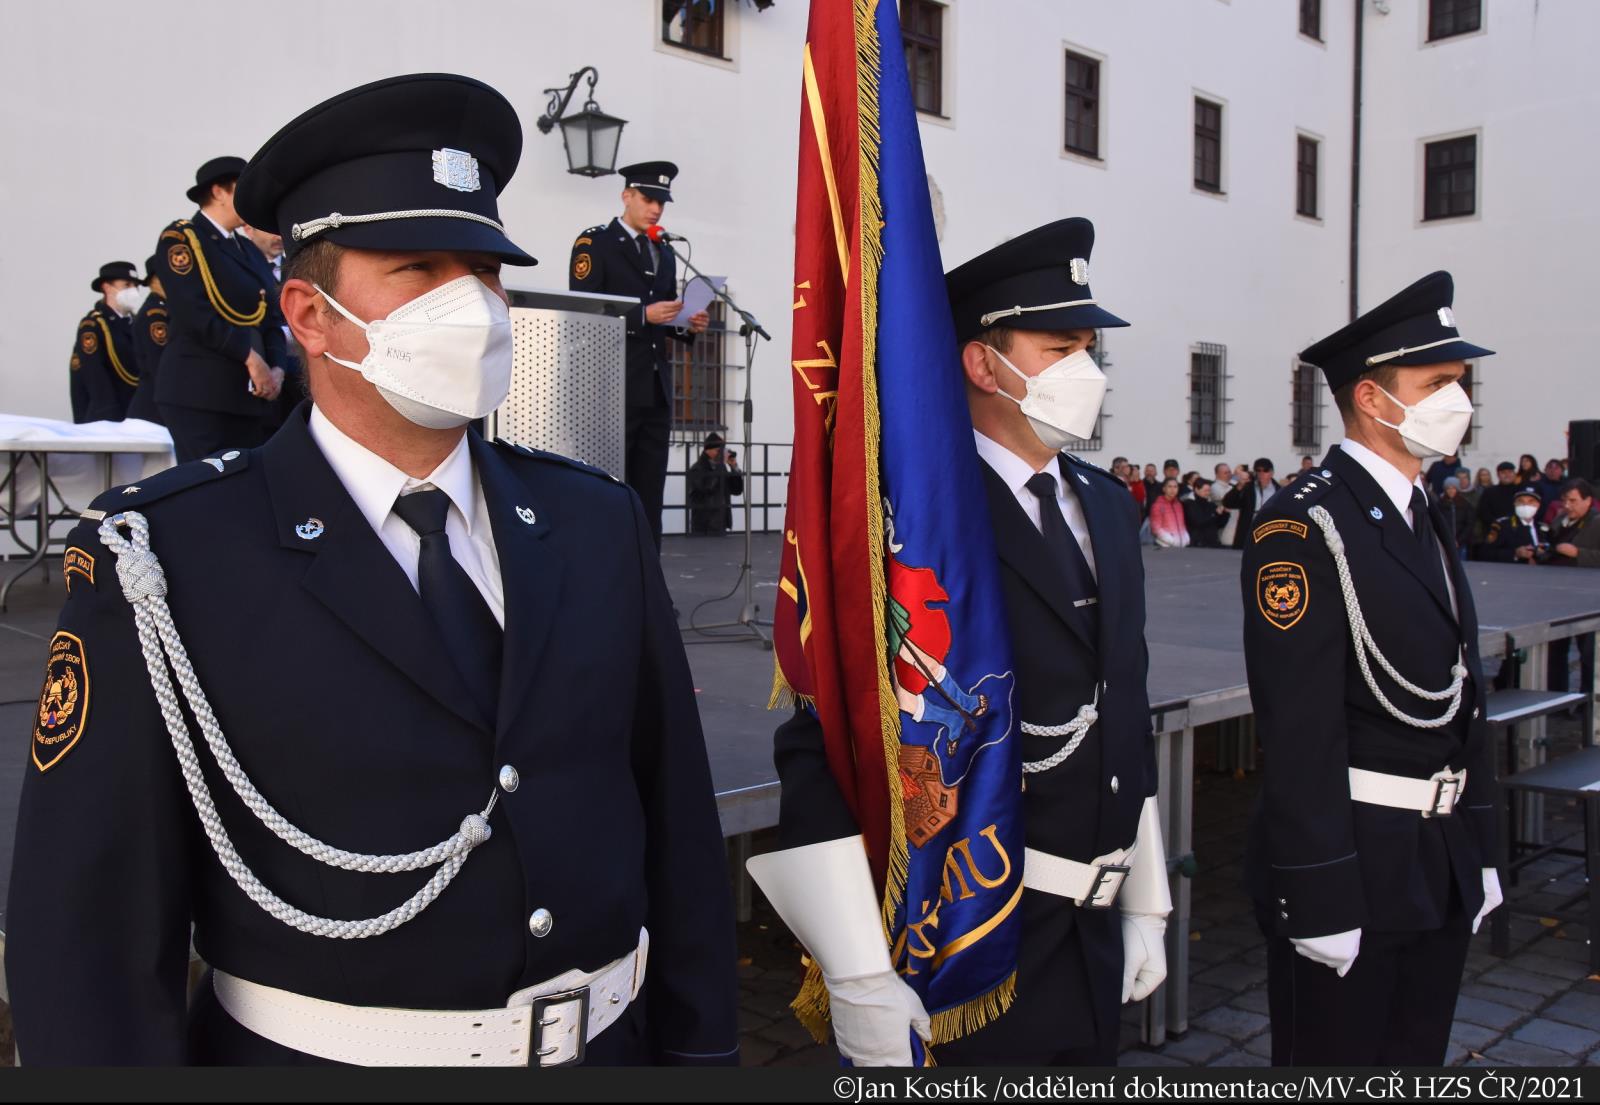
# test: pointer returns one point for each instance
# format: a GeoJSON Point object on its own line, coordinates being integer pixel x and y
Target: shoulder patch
{"type": "Point", "coordinates": [89, 342]}
{"type": "Point", "coordinates": [168, 483]}
{"type": "Point", "coordinates": [158, 328]}
{"type": "Point", "coordinates": [76, 364]}
{"type": "Point", "coordinates": [584, 240]}
{"type": "Point", "coordinates": [76, 561]}
{"type": "Point", "coordinates": [582, 266]}
{"type": "Point", "coordinates": [556, 458]}
{"type": "Point", "coordinates": [1282, 593]}
{"type": "Point", "coordinates": [1279, 525]}
{"type": "Point", "coordinates": [180, 258]}
{"type": "Point", "coordinates": [63, 703]}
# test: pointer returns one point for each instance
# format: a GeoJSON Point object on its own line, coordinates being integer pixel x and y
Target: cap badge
{"type": "Point", "coordinates": [456, 169]}
{"type": "Point", "coordinates": [310, 529]}
{"type": "Point", "coordinates": [526, 514]}
{"type": "Point", "coordinates": [664, 179]}
{"type": "Point", "coordinates": [1080, 270]}
{"type": "Point", "coordinates": [1447, 317]}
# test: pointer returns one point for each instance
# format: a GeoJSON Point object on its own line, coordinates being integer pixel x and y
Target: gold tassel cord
{"type": "Point", "coordinates": [213, 293]}
{"type": "Point", "coordinates": [129, 378]}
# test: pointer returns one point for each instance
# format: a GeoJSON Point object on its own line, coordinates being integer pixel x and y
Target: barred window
{"type": "Point", "coordinates": [1472, 385]}
{"type": "Point", "coordinates": [698, 374]}
{"type": "Point", "coordinates": [1208, 381]}
{"type": "Point", "coordinates": [694, 25]}
{"type": "Point", "coordinates": [1096, 440]}
{"type": "Point", "coordinates": [1311, 19]}
{"type": "Point", "coordinates": [922, 30]}
{"type": "Point", "coordinates": [1207, 145]}
{"type": "Point", "coordinates": [1305, 418]}
{"type": "Point", "coordinates": [1448, 18]}
{"type": "Point", "coordinates": [1450, 178]}
{"type": "Point", "coordinates": [1305, 194]}
{"type": "Point", "coordinates": [1083, 105]}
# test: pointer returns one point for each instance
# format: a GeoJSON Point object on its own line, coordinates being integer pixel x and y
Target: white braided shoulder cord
{"type": "Point", "coordinates": [1364, 643]}
{"type": "Point", "coordinates": [145, 586]}
{"type": "Point", "coordinates": [1077, 729]}
{"type": "Point", "coordinates": [307, 229]}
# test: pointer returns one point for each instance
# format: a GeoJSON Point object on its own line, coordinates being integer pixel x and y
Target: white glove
{"type": "Point", "coordinates": [1337, 950]}
{"type": "Point", "coordinates": [1492, 897]}
{"type": "Point", "coordinates": [1144, 954]}
{"type": "Point", "coordinates": [873, 1018]}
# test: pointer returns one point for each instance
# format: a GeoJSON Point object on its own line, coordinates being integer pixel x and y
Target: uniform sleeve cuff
{"type": "Point", "coordinates": [1318, 899]}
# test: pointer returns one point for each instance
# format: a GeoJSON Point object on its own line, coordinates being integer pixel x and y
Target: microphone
{"type": "Point", "coordinates": [656, 234]}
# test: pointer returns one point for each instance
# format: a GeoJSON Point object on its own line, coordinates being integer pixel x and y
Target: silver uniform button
{"type": "Point", "coordinates": [1283, 915]}
{"type": "Point", "coordinates": [509, 779]}
{"type": "Point", "coordinates": [1476, 712]}
{"type": "Point", "coordinates": [541, 922]}
{"type": "Point", "coordinates": [1114, 784]}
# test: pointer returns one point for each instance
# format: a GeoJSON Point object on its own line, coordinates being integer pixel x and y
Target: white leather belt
{"type": "Point", "coordinates": [547, 1025]}
{"type": "Point", "coordinates": [1435, 796]}
{"type": "Point", "coordinates": [1090, 885]}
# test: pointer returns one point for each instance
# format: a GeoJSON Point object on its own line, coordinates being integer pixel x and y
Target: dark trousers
{"type": "Point", "coordinates": [1060, 1016]}
{"type": "Point", "coordinates": [197, 433]}
{"type": "Point", "coordinates": [1394, 1008]}
{"type": "Point", "coordinates": [1561, 660]}
{"type": "Point", "coordinates": [645, 460]}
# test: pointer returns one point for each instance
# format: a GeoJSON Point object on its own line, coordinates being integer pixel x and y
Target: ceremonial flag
{"type": "Point", "coordinates": [890, 623]}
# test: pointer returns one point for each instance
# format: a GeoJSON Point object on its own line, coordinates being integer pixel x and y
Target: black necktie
{"type": "Point", "coordinates": [1427, 540]}
{"type": "Point", "coordinates": [1065, 551]}
{"type": "Point", "coordinates": [465, 623]}
{"type": "Point", "coordinates": [645, 253]}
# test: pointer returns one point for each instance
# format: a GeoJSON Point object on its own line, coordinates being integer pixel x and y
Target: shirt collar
{"type": "Point", "coordinates": [226, 234]}
{"type": "Point", "coordinates": [632, 233]}
{"type": "Point", "coordinates": [375, 484]}
{"type": "Point", "coordinates": [1012, 469]}
{"type": "Point", "coordinates": [1392, 481]}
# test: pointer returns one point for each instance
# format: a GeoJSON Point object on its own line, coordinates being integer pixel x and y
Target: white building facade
{"type": "Point", "coordinates": [1209, 140]}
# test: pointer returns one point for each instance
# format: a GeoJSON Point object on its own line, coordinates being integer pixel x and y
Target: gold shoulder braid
{"type": "Point", "coordinates": [129, 378]}
{"type": "Point", "coordinates": [213, 293]}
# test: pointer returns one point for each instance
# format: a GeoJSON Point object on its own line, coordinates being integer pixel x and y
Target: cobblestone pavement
{"type": "Point", "coordinates": [1537, 1007]}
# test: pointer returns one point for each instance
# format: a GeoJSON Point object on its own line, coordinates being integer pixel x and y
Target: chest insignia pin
{"type": "Point", "coordinates": [526, 515]}
{"type": "Point", "coordinates": [310, 529]}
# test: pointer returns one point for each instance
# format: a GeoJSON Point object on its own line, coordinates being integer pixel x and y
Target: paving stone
{"type": "Point", "coordinates": [1517, 999]}
{"type": "Point", "coordinates": [1253, 1000]}
{"type": "Point", "coordinates": [1236, 1024]}
{"type": "Point", "coordinates": [1233, 976]}
{"type": "Point", "coordinates": [1138, 1057]}
{"type": "Point", "coordinates": [1565, 969]}
{"type": "Point", "coordinates": [1564, 947]}
{"type": "Point", "coordinates": [1514, 979]}
{"type": "Point", "coordinates": [1474, 1036]}
{"type": "Point", "coordinates": [1261, 1045]}
{"type": "Point", "coordinates": [1490, 1014]}
{"type": "Point", "coordinates": [1207, 952]}
{"type": "Point", "coordinates": [750, 1022]}
{"type": "Point", "coordinates": [1203, 997]}
{"type": "Point", "coordinates": [788, 1033]}
{"type": "Point", "coordinates": [1256, 955]}
{"type": "Point", "coordinates": [1455, 1054]}
{"type": "Point", "coordinates": [1520, 1054]}
{"type": "Point", "coordinates": [1196, 1047]}
{"type": "Point", "coordinates": [1239, 1059]}
{"type": "Point", "coordinates": [1557, 1036]}
{"type": "Point", "coordinates": [756, 1052]}
{"type": "Point", "coordinates": [1579, 1009]}
{"type": "Point", "coordinates": [809, 1057]}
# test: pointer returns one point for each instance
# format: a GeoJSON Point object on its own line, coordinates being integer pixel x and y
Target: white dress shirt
{"type": "Point", "coordinates": [1016, 472]}
{"type": "Point", "coordinates": [1397, 489]}
{"type": "Point", "coordinates": [375, 484]}
{"type": "Point", "coordinates": [650, 247]}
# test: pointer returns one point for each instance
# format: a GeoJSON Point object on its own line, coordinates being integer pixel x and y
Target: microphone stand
{"type": "Point", "coordinates": [749, 621]}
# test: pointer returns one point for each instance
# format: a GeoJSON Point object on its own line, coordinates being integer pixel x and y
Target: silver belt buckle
{"type": "Point", "coordinates": [541, 1022]}
{"type": "Point", "coordinates": [1447, 789]}
{"type": "Point", "coordinates": [1108, 879]}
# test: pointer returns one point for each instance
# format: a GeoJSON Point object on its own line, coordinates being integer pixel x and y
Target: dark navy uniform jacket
{"type": "Point", "coordinates": [1084, 808]}
{"type": "Point", "coordinates": [104, 371]}
{"type": "Point", "coordinates": [150, 330]}
{"type": "Point", "coordinates": [221, 306]}
{"type": "Point", "coordinates": [338, 700]}
{"type": "Point", "coordinates": [605, 259]}
{"type": "Point", "coordinates": [1507, 535]}
{"type": "Point", "coordinates": [1318, 862]}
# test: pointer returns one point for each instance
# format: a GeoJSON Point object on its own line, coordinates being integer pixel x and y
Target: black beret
{"type": "Point", "coordinates": [115, 270]}
{"type": "Point", "coordinates": [653, 178]}
{"type": "Point", "coordinates": [1414, 327]}
{"type": "Point", "coordinates": [218, 168]}
{"type": "Point", "coordinates": [1036, 281]}
{"type": "Point", "coordinates": [407, 163]}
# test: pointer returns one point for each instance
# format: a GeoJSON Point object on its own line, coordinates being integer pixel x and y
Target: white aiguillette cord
{"type": "Point", "coordinates": [1364, 644]}
{"type": "Point", "coordinates": [145, 586]}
